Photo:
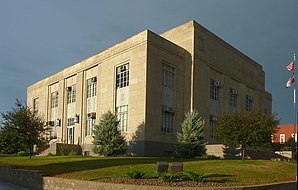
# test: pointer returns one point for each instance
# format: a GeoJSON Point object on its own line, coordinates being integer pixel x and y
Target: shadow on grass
{"type": "Point", "coordinates": [220, 178]}
{"type": "Point", "coordinates": [92, 163]}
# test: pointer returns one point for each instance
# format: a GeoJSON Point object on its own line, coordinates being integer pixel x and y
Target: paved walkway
{"type": "Point", "coordinates": [9, 186]}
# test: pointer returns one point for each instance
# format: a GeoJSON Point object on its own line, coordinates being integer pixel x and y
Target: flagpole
{"type": "Point", "coordinates": [295, 107]}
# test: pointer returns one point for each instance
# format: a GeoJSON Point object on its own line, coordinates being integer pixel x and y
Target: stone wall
{"type": "Point", "coordinates": [32, 180]}
{"type": "Point", "coordinates": [35, 180]}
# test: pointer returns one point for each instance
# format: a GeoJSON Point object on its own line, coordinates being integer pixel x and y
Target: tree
{"type": "Point", "coordinates": [253, 129]}
{"type": "Point", "coordinates": [191, 139]}
{"type": "Point", "coordinates": [108, 139]}
{"type": "Point", "coordinates": [21, 129]}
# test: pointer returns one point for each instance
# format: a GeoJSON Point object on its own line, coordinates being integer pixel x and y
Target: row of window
{"type": "Point", "coordinates": [282, 138]}
{"type": "Point", "coordinates": [233, 96]}
{"type": "Point", "coordinates": [122, 80]}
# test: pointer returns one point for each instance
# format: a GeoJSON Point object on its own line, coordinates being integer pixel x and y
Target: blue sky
{"type": "Point", "coordinates": [39, 38]}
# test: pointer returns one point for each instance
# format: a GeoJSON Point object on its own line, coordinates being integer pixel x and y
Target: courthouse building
{"type": "Point", "coordinates": [150, 81]}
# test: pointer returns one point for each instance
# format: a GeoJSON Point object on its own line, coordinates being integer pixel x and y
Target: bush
{"type": "Point", "coordinates": [72, 153]}
{"type": "Point", "coordinates": [135, 174]}
{"type": "Point", "coordinates": [169, 177]}
{"type": "Point", "coordinates": [50, 154]}
{"type": "Point", "coordinates": [210, 157]}
{"type": "Point", "coordinates": [23, 153]}
{"type": "Point", "coordinates": [195, 176]}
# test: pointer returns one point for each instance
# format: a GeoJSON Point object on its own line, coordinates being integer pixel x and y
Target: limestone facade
{"type": "Point", "coordinates": [150, 81]}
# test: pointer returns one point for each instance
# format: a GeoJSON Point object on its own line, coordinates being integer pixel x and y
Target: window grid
{"type": "Point", "coordinates": [282, 138]}
{"type": "Point", "coordinates": [71, 95]}
{"type": "Point", "coordinates": [71, 121]}
{"type": "Point", "coordinates": [54, 132]}
{"type": "Point", "coordinates": [122, 115]}
{"type": "Point", "coordinates": [233, 100]}
{"type": "Point", "coordinates": [54, 100]}
{"type": "Point", "coordinates": [167, 122]}
{"type": "Point", "coordinates": [168, 76]}
{"type": "Point", "coordinates": [248, 103]}
{"type": "Point", "coordinates": [36, 105]}
{"type": "Point", "coordinates": [214, 90]}
{"type": "Point", "coordinates": [91, 88]}
{"type": "Point", "coordinates": [90, 126]}
{"type": "Point", "coordinates": [212, 126]}
{"type": "Point", "coordinates": [122, 76]}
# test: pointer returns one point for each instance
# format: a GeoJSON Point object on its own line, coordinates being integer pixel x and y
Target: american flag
{"type": "Point", "coordinates": [290, 66]}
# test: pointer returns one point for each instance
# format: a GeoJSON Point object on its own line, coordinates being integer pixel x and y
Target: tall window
{"type": "Point", "coordinates": [71, 94]}
{"type": "Point", "coordinates": [122, 76]}
{"type": "Point", "coordinates": [168, 99]}
{"type": "Point", "coordinates": [90, 126]}
{"type": "Point", "coordinates": [167, 122]}
{"type": "Point", "coordinates": [214, 90]}
{"type": "Point", "coordinates": [122, 114]}
{"type": "Point", "coordinates": [54, 114]}
{"type": "Point", "coordinates": [248, 103]}
{"type": "Point", "coordinates": [91, 105]}
{"type": "Point", "coordinates": [233, 100]}
{"type": "Point", "coordinates": [91, 87]}
{"type": "Point", "coordinates": [54, 100]}
{"type": "Point", "coordinates": [168, 76]}
{"type": "Point", "coordinates": [282, 138]}
{"type": "Point", "coordinates": [212, 125]}
{"type": "Point", "coordinates": [36, 105]}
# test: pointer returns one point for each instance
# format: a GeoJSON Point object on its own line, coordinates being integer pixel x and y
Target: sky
{"type": "Point", "coordinates": [41, 37]}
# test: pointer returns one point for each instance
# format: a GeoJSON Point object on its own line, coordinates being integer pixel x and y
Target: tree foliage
{"type": "Point", "coordinates": [191, 139]}
{"type": "Point", "coordinates": [253, 129]}
{"type": "Point", "coordinates": [108, 139]}
{"type": "Point", "coordinates": [21, 129]}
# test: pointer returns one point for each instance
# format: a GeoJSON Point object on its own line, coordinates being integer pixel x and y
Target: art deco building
{"type": "Point", "coordinates": [150, 81]}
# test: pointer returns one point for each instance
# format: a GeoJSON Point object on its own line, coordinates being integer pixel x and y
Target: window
{"type": "Point", "coordinates": [292, 136]}
{"type": "Point", "coordinates": [212, 125]}
{"type": "Point", "coordinates": [54, 100]}
{"type": "Point", "coordinates": [36, 105]}
{"type": "Point", "coordinates": [248, 103]}
{"type": "Point", "coordinates": [233, 100]}
{"type": "Point", "coordinates": [90, 126]}
{"type": "Point", "coordinates": [70, 121]}
{"type": "Point", "coordinates": [122, 114]}
{"type": "Point", "coordinates": [54, 132]}
{"type": "Point", "coordinates": [282, 138]}
{"type": "Point", "coordinates": [71, 94]}
{"type": "Point", "coordinates": [168, 76]}
{"type": "Point", "coordinates": [214, 90]}
{"type": "Point", "coordinates": [167, 122]}
{"type": "Point", "coordinates": [91, 87]}
{"type": "Point", "coordinates": [122, 76]}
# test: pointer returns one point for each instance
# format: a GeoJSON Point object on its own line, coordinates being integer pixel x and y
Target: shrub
{"type": "Point", "coordinates": [169, 177]}
{"type": "Point", "coordinates": [23, 153]}
{"type": "Point", "coordinates": [135, 174]}
{"type": "Point", "coordinates": [209, 157]}
{"type": "Point", "coordinates": [195, 176]}
{"type": "Point", "coordinates": [50, 154]}
{"type": "Point", "coordinates": [72, 153]}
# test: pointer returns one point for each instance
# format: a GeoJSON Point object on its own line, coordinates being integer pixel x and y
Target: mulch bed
{"type": "Point", "coordinates": [159, 182]}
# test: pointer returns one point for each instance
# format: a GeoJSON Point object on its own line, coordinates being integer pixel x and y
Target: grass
{"type": "Point", "coordinates": [230, 172]}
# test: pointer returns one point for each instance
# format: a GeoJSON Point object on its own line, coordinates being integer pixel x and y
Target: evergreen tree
{"type": "Point", "coordinates": [191, 140]}
{"type": "Point", "coordinates": [21, 129]}
{"type": "Point", "coordinates": [108, 139]}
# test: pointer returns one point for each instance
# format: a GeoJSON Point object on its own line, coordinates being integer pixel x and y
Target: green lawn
{"type": "Point", "coordinates": [230, 172]}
